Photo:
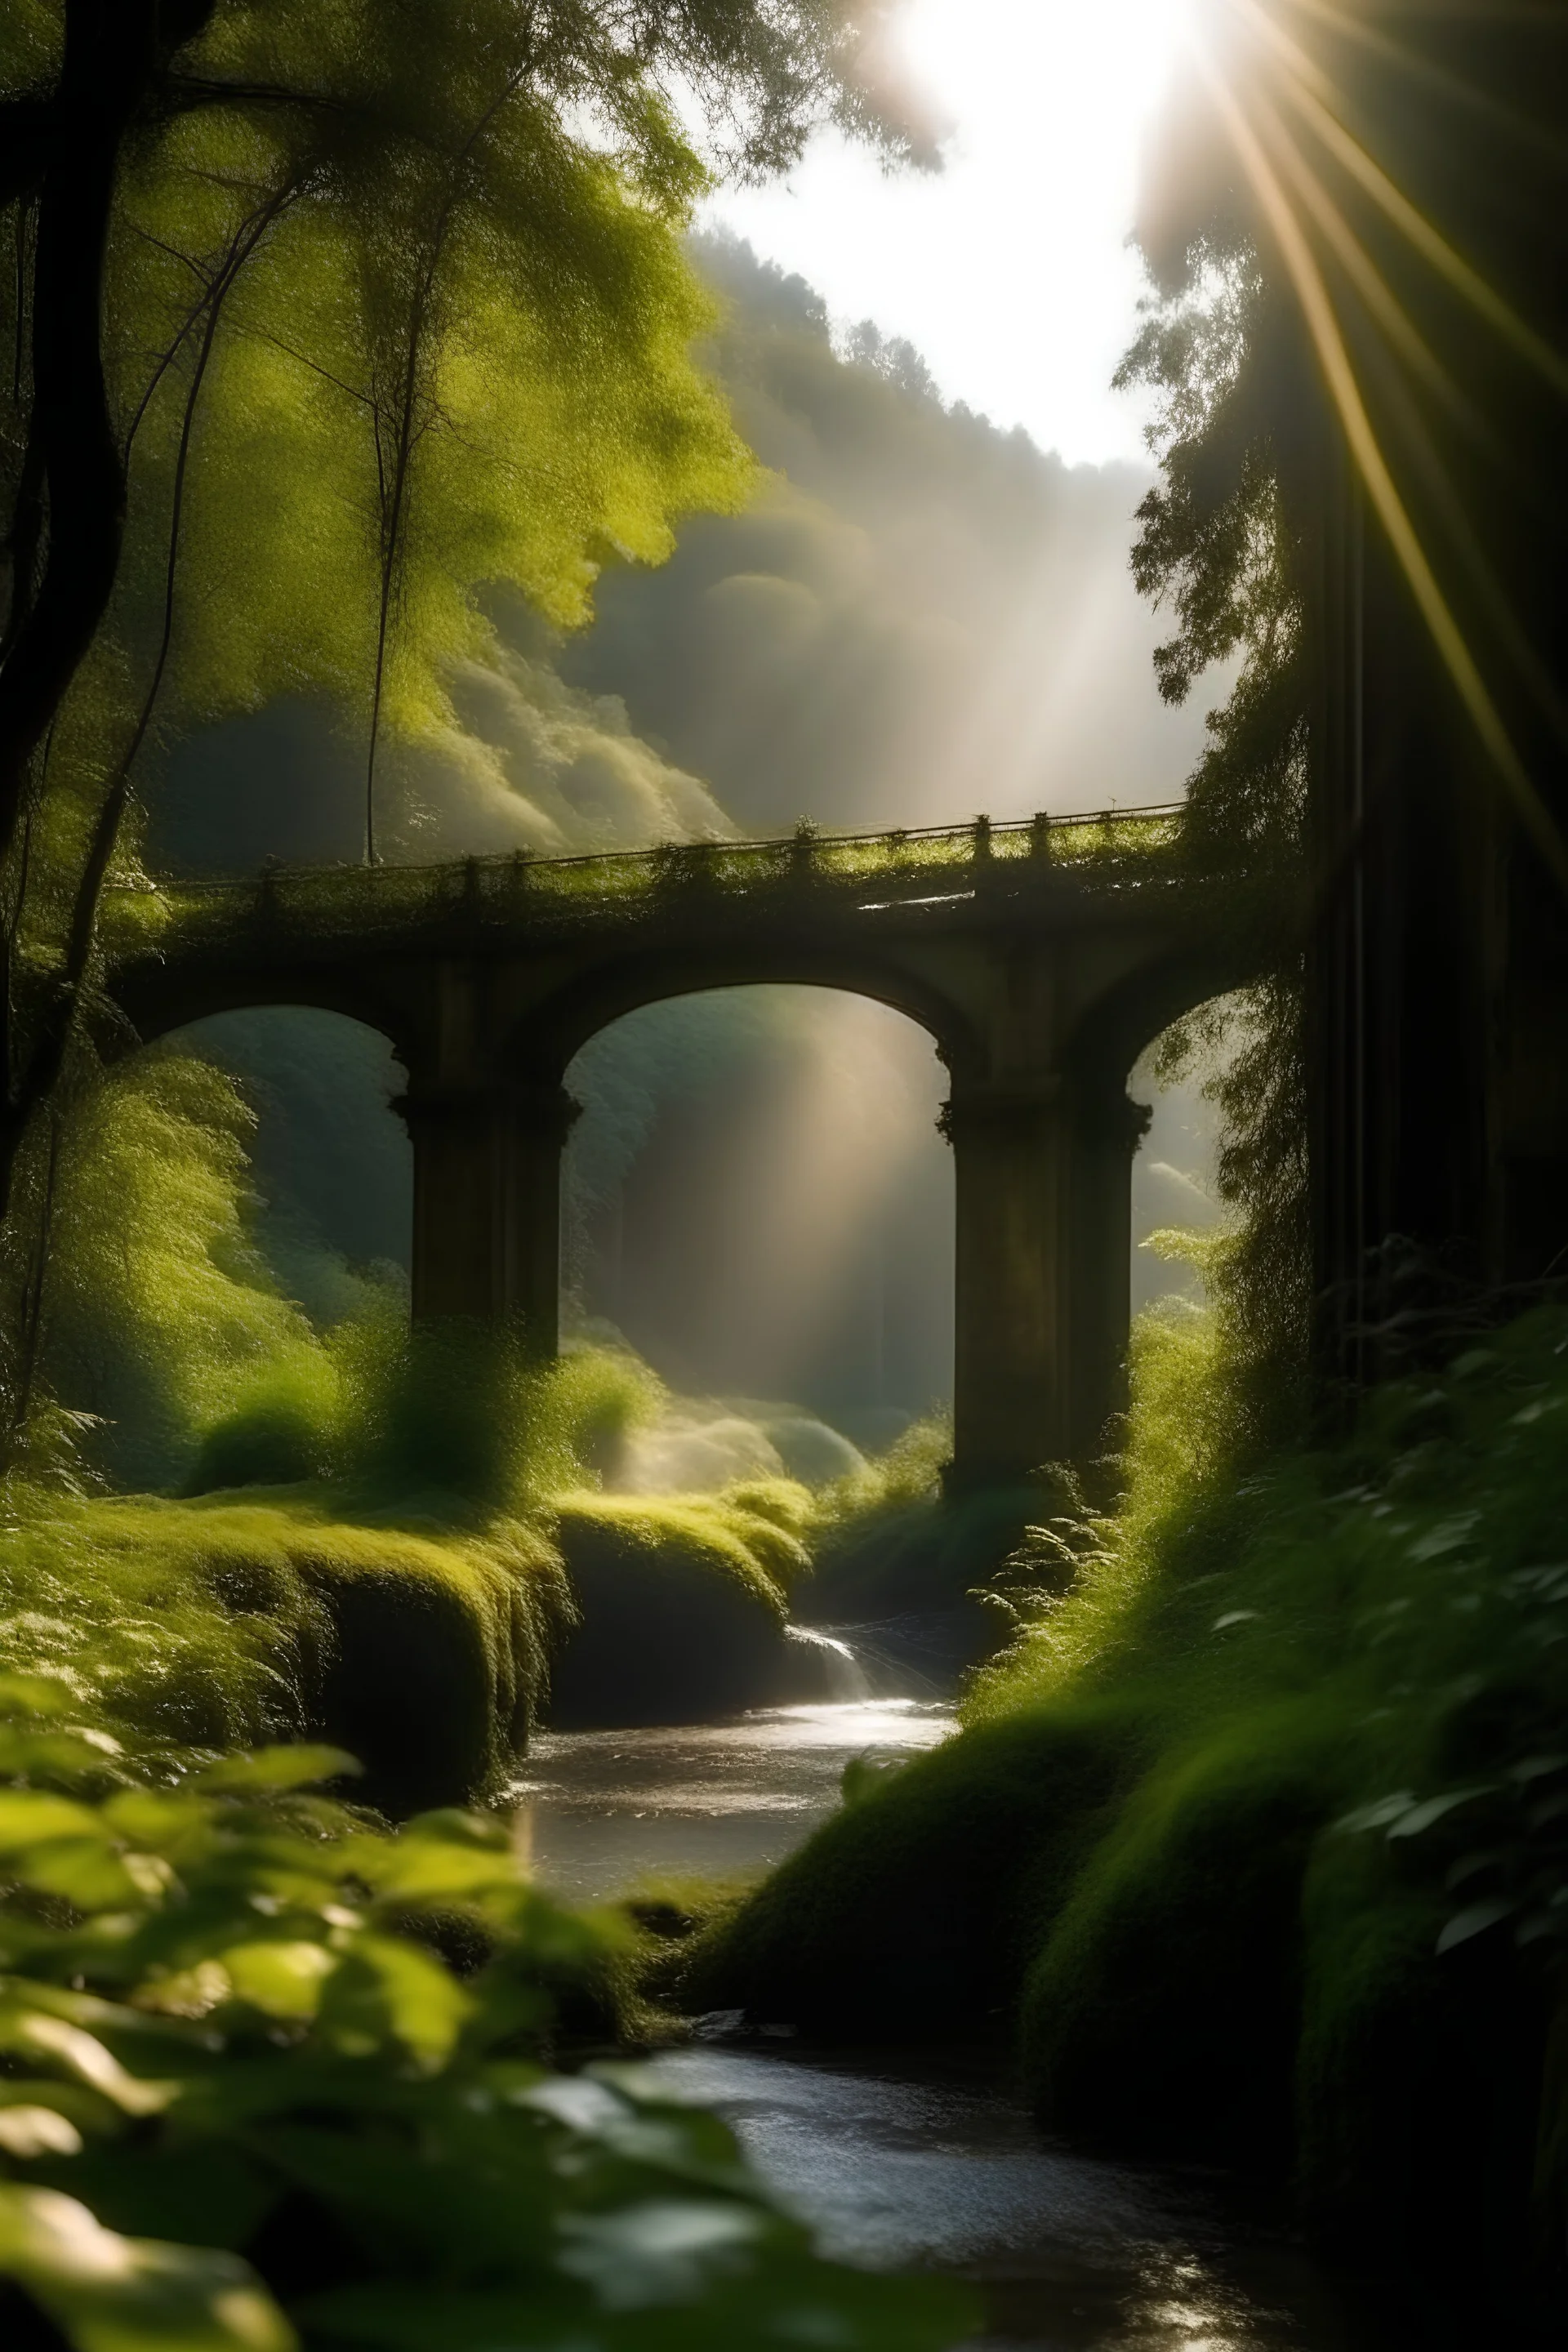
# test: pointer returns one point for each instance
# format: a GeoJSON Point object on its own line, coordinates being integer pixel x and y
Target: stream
{"type": "Point", "coordinates": [929, 2161]}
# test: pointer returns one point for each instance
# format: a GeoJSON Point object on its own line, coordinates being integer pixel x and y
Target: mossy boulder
{"type": "Point", "coordinates": [911, 1915]}
{"type": "Point", "coordinates": [1163, 2010]}
{"type": "Point", "coordinates": [681, 1609]}
{"type": "Point", "coordinates": [230, 1621]}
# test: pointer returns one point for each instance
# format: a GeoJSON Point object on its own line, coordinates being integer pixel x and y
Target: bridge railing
{"type": "Point", "coordinates": [398, 897]}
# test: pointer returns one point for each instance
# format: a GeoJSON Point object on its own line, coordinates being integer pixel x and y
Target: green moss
{"type": "Point", "coordinates": [737, 1536]}
{"type": "Point", "coordinates": [223, 1622]}
{"type": "Point", "coordinates": [681, 1602]}
{"type": "Point", "coordinates": [1301, 1901]}
{"type": "Point", "coordinates": [1163, 2008]}
{"type": "Point", "coordinates": [911, 1915]}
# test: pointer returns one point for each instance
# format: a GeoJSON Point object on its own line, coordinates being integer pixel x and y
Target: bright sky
{"type": "Point", "coordinates": [1009, 270]}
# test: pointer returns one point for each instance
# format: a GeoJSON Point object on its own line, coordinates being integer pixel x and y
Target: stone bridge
{"type": "Point", "coordinates": [1042, 958]}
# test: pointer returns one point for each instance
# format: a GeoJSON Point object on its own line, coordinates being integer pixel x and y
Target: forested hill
{"type": "Point", "coordinates": [918, 616]}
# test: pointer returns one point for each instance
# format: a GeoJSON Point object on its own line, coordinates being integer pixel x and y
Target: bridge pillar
{"type": "Point", "coordinates": [1043, 1182]}
{"type": "Point", "coordinates": [1108, 1127]}
{"type": "Point", "coordinates": [487, 1204]}
{"type": "Point", "coordinates": [1011, 1171]}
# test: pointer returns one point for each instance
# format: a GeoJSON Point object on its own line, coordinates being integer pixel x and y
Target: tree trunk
{"type": "Point", "coordinates": [111, 52]}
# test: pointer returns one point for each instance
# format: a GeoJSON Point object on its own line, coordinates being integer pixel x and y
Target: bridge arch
{"type": "Point", "coordinates": [545, 1041]}
{"type": "Point", "coordinates": [327, 1142]}
{"type": "Point", "coordinates": [1039, 976]}
{"type": "Point", "coordinates": [757, 1197]}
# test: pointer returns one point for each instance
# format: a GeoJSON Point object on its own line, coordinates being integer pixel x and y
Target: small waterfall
{"type": "Point", "coordinates": [846, 1683]}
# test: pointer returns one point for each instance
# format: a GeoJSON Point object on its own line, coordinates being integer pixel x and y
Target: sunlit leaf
{"type": "Point", "coordinates": [85, 1871]}
{"type": "Point", "coordinates": [269, 1768]}
{"type": "Point", "coordinates": [283, 1980]}
{"type": "Point", "coordinates": [390, 1990]}
{"type": "Point", "coordinates": [29, 2131]}
{"type": "Point", "coordinates": [110, 2293]}
{"type": "Point", "coordinates": [31, 1816]}
{"type": "Point", "coordinates": [83, 2055]}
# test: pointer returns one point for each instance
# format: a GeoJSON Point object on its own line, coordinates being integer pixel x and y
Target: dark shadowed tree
{"type": "Point", "coordinates": [320, 318]}
{"type": "Point", "coordinates": [1356, 227]}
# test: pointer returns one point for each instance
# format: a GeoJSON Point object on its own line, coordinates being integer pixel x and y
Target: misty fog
{"type": "Point", "coordinates": [919, 617]}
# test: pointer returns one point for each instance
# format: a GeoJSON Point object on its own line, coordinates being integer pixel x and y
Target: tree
{"type": "Point", "coordinates": [322, 317]}
{"type": "Point", "coordinates": [1356, 233]}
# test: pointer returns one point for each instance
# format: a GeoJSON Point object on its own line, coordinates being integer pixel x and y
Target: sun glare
{"type": "Point", "coordinates": [1009, 268]}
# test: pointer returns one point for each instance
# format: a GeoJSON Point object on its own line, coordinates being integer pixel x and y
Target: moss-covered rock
{"type": "Point", "coordinates": [912, 1913]}
{"type": "Point", "coordinates": [227, 1621]}
{"type": "Point", "coordinates": [1162, 2010]}
{"type": "Point", "coordinates": [681, 1604]}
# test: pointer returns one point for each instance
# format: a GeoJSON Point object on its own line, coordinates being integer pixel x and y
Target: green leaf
{"type": "Point", "coordinates": [109, 2294]}
{"type": "Point", "coordinates": [1379, 1813]}
{"type": "Point", "coordinates": [30, 2131]}
{"type": "Point", "coordinates": [661, 2249]}
{"type": "Point", "coordinates": [153, 1817]}
{"type": "Point", "coordinates": [38, 1695]}
{"type": "Point", "coordinates": [1473, 1922]}
{"type": "Point", "coordinates": [281, 1979]}
{"type": "Point", "coordinates": [1421, 1817]}
{"type": "Point", "coordinates": [32, 1817]}
{"type": "Point", "coordinates": [430, 1870]}
{"type": "Point", "coordinates": [85, 1871]}
{"type": "Point", "coordinates": [271, 1769]}
{"type": "Point", "coordinates": [448, 1826]}
{"type": "Point", "coordinates": [38, 2034]}
{"type": "Point", "coordinates": [389, 1989]}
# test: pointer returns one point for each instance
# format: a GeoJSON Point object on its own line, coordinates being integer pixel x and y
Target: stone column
{"type": "Point", "coordinates": [1044, 1187]}
{"type": "Point", "coordinates": [1107, 1127]}
{"type": "Point", "coordinates": [487, 1204]}
{"type": "Point", "coordinates": [1010, 1390]}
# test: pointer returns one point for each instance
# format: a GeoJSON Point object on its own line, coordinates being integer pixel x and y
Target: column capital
{"type": "Point", "coordinates": [546, 1111]}
{"type": "Point", "coordinates": [1001, 1110]}
{"type": "Point", "coordinates": [1110, 1116]}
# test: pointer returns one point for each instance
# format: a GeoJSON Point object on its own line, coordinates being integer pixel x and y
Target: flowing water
{"type": "Point", "coordinates": [600, 1809]}
{"type": "Point", "coordinates": [930, 2163]}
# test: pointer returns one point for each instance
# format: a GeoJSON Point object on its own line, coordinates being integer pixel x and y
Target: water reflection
{"type": "Point", "coordinates": [934, 2165]}
{"type": "Point", "coordinates": [939, 2168]}
{"type": "Point", "coordinates": [599, 1810]}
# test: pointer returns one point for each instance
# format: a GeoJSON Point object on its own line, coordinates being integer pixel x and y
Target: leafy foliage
{"type": "Point", "coordinates": [1300, 1734]}
{"type": "Point", "coordinates": [271, 2078]}
{"type": "Point", "coordinates": [356, 316]}
{"type": "Point", "coordinates": [1218, 547]}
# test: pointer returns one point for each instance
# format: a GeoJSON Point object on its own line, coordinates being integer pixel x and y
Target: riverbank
{"type": "Point", "coordinates": [1252, 1848]}
{"type": "Point", "coordinates": [923, 2159]}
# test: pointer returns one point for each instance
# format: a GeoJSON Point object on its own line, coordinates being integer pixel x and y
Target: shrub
{"type": "Point", "coordinates": [911, 1915]}
{"type": "Point", "coordinates": [1315, 1912]}
{"type": "Point", "coordinates": [249, 2103]}
{"type": "Point", "coordinates": [228, 1619]}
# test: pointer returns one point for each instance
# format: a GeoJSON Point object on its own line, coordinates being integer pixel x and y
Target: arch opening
{"type": "Point", "coordinates": [756, 1201]}
{"type": "Point", "coordinates": [208, 1213]}
{"type": "Point", "coordinates": [1175, 1176]}
{"type": "Point", "coordinates": [331, 1166]}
